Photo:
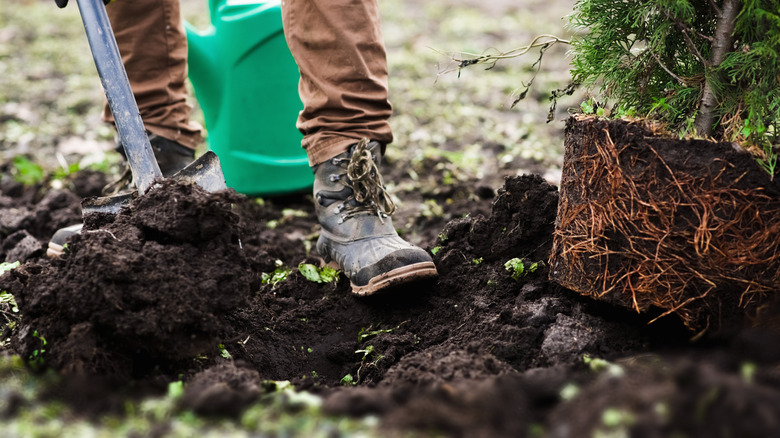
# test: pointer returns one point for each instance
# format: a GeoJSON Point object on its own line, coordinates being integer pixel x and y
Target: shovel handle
{"type": "Point", "coordinates": [120, 97]}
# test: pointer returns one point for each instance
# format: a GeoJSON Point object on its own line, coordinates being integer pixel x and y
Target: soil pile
{"type": "Point", "coordinates": [138, 291]}
{"type": "Point", "coordinates": [484, 351]}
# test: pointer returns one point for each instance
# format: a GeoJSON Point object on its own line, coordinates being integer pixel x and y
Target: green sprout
{"type": "Point", "coordinates": [176, 389]}
{"type": "Point", "coordinates": [326, 274]}
{"type": "Point", "coordinates": [223, 352]}
{"type": "Point", "coordinates": [370, 359]}
{"type": "Point", "coordinates": [366, 333]}
{"type": "Point", "coordinates": [35, 359]}
{"type": "Point", "coordinates": [277, 276]}
{"type": "Point", "coordinates": [600, 365]}
{"type": "Point", "coordinates": [62, 172]}
{"type": "Point", "coordinates": [518, 268]}
{"type": "Point", "coordinates": [6, 266]}
{"type": "Point", "coordinates": [26, 172]}
{"type": "Point", "coordinates": [348, 380]}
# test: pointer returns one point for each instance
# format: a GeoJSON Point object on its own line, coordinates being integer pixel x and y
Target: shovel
{"type": "Point", "coordinates": [205, 171]}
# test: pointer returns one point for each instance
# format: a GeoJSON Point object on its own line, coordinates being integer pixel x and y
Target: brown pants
{"type": "Point", "coordinates": [337, 45]}
{"type": "Point", "coordinates": [153, 44]}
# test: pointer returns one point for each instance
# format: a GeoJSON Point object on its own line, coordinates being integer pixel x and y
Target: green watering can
{"type": "Point", "coordinates": [246, 82]}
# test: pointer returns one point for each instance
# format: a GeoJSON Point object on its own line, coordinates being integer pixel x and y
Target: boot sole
{"type": "Point", "coordinates": [396, 277]}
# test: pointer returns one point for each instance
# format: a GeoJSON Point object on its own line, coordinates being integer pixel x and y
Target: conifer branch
{"type": "Point", "coordinates": [658, 60]}
{"type": "Point", "coordinates": [684, 29]}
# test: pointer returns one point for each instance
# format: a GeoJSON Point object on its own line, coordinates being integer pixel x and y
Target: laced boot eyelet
{"type": "Point", "coordinates": [334, 178]}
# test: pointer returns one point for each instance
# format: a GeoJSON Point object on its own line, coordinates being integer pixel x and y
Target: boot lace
{"type": "Point", "coordinates": [367, 185]}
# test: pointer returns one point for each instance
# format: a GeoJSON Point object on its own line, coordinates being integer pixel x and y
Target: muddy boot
{"type": "Point", "coordinates": [171, 157]}
{"type": "Point", "coordinates": [357, 233]}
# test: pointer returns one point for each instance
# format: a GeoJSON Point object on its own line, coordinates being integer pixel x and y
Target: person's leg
{"type": "Point", "coordinates": [153, 43]}
{"type": "Point", "coordinates": [339, 50]}
{"type": "Point", "coordinates": [338, 47]}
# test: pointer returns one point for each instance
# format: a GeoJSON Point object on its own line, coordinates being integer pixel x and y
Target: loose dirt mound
{"type": "Point", "coordinates": [477, 353]}
{"type": "Point", "coordinates": [143, 289]}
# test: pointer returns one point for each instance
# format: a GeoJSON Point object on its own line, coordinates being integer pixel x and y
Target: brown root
{"type": "Point", "coordinates": [636, 228]}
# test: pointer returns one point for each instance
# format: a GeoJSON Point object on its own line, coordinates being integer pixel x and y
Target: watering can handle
{"type": "Point", "coordinates": [113, 76]}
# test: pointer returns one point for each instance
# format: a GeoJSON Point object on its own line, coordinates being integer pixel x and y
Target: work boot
{"type": "Point", "coordinates": [357, 233]}
{"type": "Point", "coordinates": [171, 157]}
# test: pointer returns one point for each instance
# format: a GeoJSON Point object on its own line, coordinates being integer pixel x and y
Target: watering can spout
{"type": "Point", "coordinates": [203, 70]}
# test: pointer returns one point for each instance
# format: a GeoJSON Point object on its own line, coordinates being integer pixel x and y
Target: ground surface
{"type": "Point", "coordinates": [172, 290]}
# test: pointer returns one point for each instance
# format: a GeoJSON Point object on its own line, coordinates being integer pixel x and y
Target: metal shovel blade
{"type": "Point", "coordinates": [205, 172]}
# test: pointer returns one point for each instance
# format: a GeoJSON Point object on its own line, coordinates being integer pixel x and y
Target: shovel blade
{"type": "Point", "coordinates": [205, 172]}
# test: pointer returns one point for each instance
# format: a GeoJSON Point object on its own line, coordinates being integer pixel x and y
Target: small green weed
{"type": "Point", "coordinates": [569, 391]}
{"type": "Point", "coordinates": [368, 332]}
{"type": "Point", "coordinates": [518, 269]}
{"type": "Point", "coordinates": [326, 274]}
{"type": "Point", "coordinates": [369, 350]}
{"type": "Point", "coordinates": [277, 276]}
{"type": "Point", "coordinates": [176, 389]}
{"type": "Point", "coordinates": [35, 359]}
{"type": "Point", "coordinates": [748, 371]}
{"type": "Point", "coordinates": [63, 172]}
{"type": "Point", "coordinates": [591, 107]}
{"type": "Point", "coordinates": [431, 209]}
{"type": "Point", "coordinates": [435, 250]}
{"type": "Point", "coordinates": [617, 418]}
{"type": "Point", "coordinates": [370, 359]}
{"type": "Point", "coordinates": [223, 352]}
{"type": "Point", "coordinates": [26, 172]}
{"type": "Point", "coordinates": [600, 365]}
{"type": "Point", "coordinates": [6, 266]}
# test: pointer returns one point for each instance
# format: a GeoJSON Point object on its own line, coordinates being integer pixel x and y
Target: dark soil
{"type": "Point", "coordinates": [151, 294]}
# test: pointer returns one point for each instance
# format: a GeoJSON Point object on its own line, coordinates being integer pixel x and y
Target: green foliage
{"type": "Point", "coordinates": [368, 332]}
{"type": "Point", "coordinates": [277, 276]}
{"type": "Point", "coordinates": [26, 172]}
{"type": "Point", "coordinates": [176, 390]}
{"type": "Point", "coordinates": [654, 57]}
{"type": "Point", "coordinates": [9, 309]}
{"type": "Point", "coordinates": [600, 365]}
{"type": "Point", "coordinates": [518, 269]}
{"type": "Point", "coordinates": [7, 266]}
{"type": "Point", "coordinates": [9, 301]}
{"type": "Point", "coordinates": [63, 172]}
{"type": "Point", "coordinates": [370, 359]}
{"type": "Point", "coordinates": [35, 359]}
{"type": "Point", "coordinates": [326, 274]}
{"type": "Point", "coordinates": [223, 352]}
{"type": "Point", "coordinates": [348, 380]}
